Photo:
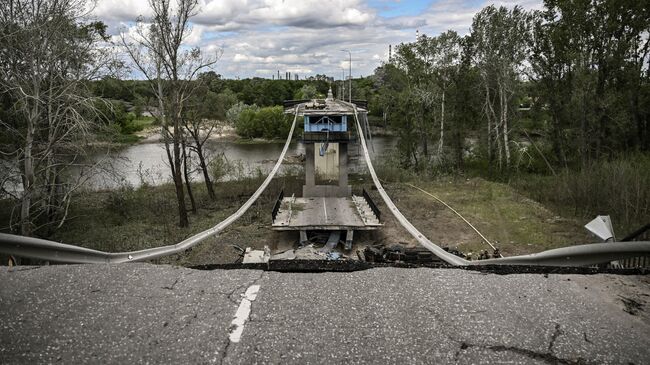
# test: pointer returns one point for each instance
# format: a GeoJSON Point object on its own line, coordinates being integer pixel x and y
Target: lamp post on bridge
{"type": "Point", "coordinates": [350, 75]}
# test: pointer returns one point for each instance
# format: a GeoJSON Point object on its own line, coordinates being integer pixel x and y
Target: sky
{"type": "Point", "coordinates": [256, 38]}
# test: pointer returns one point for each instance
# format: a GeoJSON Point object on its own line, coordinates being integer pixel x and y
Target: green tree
{"type": "Point", "coordinates": [308, 91]}
{"type": "Point", "coordinates": [49, 54]}
{"type": "Point", "coordinates": [501, 38]}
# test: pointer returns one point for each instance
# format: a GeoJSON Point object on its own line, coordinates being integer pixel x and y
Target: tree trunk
{"type": "Point", "coordinates": [489, 124]}
{"type": "Point", "coordinates": [186, 174]}
{"type": "Point", "coordinates": [206, 174]}
{"type": "Point", "coordinates": [558, 140]}
{"type": "Point", "coordinates": [504, 124]}
{"type": "Point", "coordinates": [28, 178]}
{"type": "Point", "coordinates": [177, 175]}
{"type": "Point", "coordinates": [425, 144]}
{"type": "Point", "coordinates": [442, 125]}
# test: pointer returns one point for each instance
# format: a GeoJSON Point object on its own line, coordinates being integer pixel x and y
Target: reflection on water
{"type": "Point", "coordinates": [148, 162]}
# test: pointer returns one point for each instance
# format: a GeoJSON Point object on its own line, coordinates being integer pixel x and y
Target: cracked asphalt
{"type": "Point", "coordinates": [143, 313]}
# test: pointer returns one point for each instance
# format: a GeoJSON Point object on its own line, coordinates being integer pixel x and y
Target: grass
{"type": "Point", "coordinates": [131, 219]}
{"type": "Point", "coordinates": [511, 221]}
{"type": "Point", "coordinates": [619, 188]}
{"type": "Point", "coordinates": [126, 138]}
{"type": "Point", "coordinates": [143, 122]}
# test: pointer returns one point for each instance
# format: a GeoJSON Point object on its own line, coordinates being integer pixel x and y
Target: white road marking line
{"type": "Point", "coordinates": [244, 310]}
{"type": "Point", "coordinates": [325, 209]}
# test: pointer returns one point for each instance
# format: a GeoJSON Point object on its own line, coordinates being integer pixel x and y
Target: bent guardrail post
{"type": "Point", "coordinates": [579, 255]}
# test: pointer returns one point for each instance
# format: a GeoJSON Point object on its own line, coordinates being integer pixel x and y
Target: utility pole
{"type": "Point", "coordinates": [342, 94]}
{"type": "Point", "coordinates": [350, 86]}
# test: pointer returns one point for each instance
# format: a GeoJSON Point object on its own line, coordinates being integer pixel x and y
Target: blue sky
{"type": "Point", "coordinates": [389, 9]}
{"type": "Point", "coordinates": [259, 37]}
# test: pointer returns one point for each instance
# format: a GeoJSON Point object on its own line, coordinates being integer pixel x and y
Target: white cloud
{"type": "Point", "coordinates": [260, 37]}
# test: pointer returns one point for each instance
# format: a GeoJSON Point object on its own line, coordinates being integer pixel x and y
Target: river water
{"type": "Point", "coordinates": [147, 162]}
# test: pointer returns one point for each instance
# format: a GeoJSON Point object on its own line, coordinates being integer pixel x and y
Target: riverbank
{"type": "Point", "coordinates": [153, 134]}
{"type": "Point", "coordinates": [131, 219]}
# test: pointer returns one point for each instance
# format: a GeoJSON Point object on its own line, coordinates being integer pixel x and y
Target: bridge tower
{"type": "Point", "coordinates": [326, 202]}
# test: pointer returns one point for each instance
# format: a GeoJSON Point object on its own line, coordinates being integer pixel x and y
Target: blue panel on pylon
{"type": "Point", "coordinates": [324, 123]}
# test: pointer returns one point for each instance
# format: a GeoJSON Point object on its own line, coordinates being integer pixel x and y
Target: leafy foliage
{"type": "Point", "coordinates": [269, 122]}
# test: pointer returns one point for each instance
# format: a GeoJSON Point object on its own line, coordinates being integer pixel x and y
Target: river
{"type": "Point", "coordinates": [147, 162]}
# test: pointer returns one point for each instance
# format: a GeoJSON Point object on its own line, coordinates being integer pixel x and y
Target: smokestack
{"type": "Point", "coordinates": [278, 74]}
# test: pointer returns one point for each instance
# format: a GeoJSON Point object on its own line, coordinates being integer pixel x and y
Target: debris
{"type": "Point", "coordinates": [308, 252]}
{"type": "Point", "coordinates": [333, 256]}
{"type": "Point", "coordinates": [401, 253]}
{"type": "Point", "coordinates": [286, 255]}
{"type": "Point", "coordinates": [631, 306]}
{"type": "Point", "coordinates": [257, 256]}
{"type": "Point", "coordinates": [332, 241]}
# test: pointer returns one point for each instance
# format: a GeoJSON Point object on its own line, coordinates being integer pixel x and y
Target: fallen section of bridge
{"type": "Point", "coordinates": [580, 255]}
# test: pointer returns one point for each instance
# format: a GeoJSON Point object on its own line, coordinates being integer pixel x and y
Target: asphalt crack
{"type": "Point", "coordinates": [231, 295]}
{"type": "Point", "coordinates": [554, 337]}
{"type": "Point", "coordinates": [547, 356]}
{"type": "Point", "coordinates": [23, 268]}
{"type": "Point", "coordinates": [631, 306]}
{"type": "Point", "coordinates": [171, 287]}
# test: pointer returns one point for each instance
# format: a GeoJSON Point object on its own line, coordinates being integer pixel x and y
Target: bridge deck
{"type": "Point", "coordinates": [327, 213]}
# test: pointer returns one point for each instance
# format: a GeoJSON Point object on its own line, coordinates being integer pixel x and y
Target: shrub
{"type": "Point", "coordinates": [119, 201]}
{"type": "Point", "coordinates": [618, 188]}
{"type": "Point", "coordinates": [219, 167]}
{"type": "Point", "coordinates": [269, 122]}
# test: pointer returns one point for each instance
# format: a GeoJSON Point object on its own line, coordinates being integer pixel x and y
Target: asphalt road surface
{"type": "Point", "coordinates": [142, 313]}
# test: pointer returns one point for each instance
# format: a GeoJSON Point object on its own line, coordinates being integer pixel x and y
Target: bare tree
{"type": "Point", "coordinates": [158, 51]}
{"type": "Point", "coordinates": [500, 37]}
{"type": "Point", "coordinates": [200, 128]}
{"type": "Point", "coordinates": [48, 52]}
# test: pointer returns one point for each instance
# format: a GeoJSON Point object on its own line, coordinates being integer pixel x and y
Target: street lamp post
{"type": "Point", "coordinates": [342, 88]}
{"type": "Point", "coordinates": [350, 76]}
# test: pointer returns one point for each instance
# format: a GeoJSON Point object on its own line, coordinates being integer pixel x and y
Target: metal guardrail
{"type": "Point", "coordinates": [635, 262]}
{"type": "Point", "coordinates": [60, 252]}
{"type": "Point", "coordinates": [371, 204]}
{"type": "Point", "coordinates": [580, 255]}
{"type": "Point", "coordinates": [276, 206]}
